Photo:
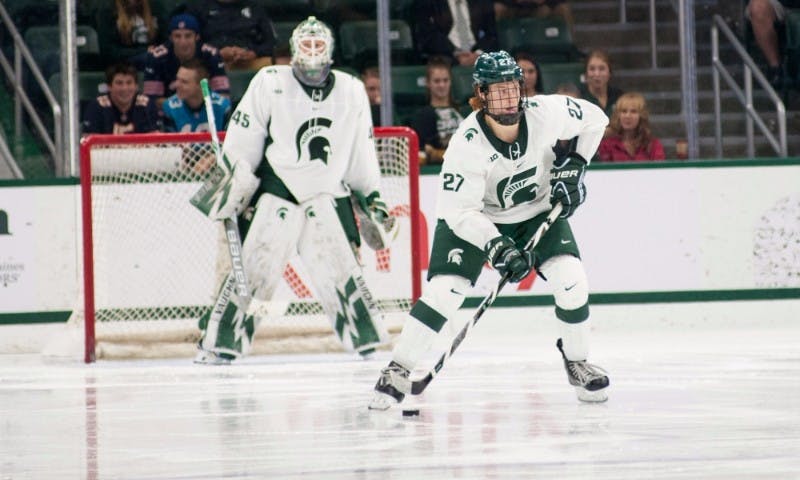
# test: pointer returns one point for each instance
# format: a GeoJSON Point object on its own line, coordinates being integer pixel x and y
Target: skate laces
{"type": "Point", "coordinates": [584, 371]}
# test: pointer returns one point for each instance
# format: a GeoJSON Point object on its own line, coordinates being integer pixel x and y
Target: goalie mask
{"type": "Point", "coordinates": [500, 82]}
{"type": "Point", "coordinates": [312, 49]}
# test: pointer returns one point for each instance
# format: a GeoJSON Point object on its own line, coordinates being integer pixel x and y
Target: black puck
{"type": "Point", "coordinates": [411, 413]}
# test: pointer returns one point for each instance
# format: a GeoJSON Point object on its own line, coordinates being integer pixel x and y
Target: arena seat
{"type": "Point", "coordinates": [554, 74]}
{"type": "Point", "coordinates": [548, 39]}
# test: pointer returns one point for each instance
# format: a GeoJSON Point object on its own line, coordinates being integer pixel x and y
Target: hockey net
{"type": "Point", "coordinates": [153, 263]}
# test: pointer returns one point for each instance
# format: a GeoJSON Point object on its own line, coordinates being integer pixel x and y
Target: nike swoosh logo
{"type": "Point", "coordinates": [570, 287]}
{"type": "Point", "coordinates": [453, 290]}
{"type": "Point", "coordinates": [564, 242]}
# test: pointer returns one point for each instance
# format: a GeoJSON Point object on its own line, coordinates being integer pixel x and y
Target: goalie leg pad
{"type": "Point", "coordinates": [226, 329]}
{"type": "Point", "coordinates": [270, 242]}
{"type": "Point", "coordinates": [337, 280]}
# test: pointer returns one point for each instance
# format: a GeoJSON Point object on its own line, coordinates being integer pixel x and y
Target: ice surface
{"type": "Point", "coordinates": [685, 403]}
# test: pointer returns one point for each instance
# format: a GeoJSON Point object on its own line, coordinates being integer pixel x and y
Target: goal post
{"type": "Point", "coordinates": [152, 263]}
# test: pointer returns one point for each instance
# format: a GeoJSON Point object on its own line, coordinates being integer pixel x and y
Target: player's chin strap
{"type": "Point", "coordinates": [418, 386]}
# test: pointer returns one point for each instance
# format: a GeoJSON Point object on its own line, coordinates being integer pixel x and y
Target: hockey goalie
{"type": "Point", "coordinates": [299, 146]}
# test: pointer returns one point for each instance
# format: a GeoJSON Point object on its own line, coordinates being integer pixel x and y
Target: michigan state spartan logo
{"type": "Point", "coordinates": [517, 189]}
{"type": "Point", "coordinates": [312, 140]}
{"type": "Point", "coordinates": [454, 256]}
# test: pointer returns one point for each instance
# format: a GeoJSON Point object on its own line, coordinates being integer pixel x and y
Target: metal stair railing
{"type": "Point", "coordinates": [745, 95]}
{"type": "Point", "coordinates": [54, 143]}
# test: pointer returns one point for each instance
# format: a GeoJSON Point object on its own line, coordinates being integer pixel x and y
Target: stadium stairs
{"type": "Point", "coordinates": [597, 26]}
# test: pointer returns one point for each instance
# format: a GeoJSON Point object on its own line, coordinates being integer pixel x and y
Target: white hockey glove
{"type": "Point", "coordinates": [225, 195]}
{"type": "Point", "coordinates": [378, 227]}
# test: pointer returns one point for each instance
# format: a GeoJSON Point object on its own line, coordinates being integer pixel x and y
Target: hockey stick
{"type": "Point", "coordinates": [418, 386]}
{"type": "Point", "coordinates": [231, 225]}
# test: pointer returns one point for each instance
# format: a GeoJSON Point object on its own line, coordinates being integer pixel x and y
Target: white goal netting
{"type": "Point", "coordinates": [153, 263]}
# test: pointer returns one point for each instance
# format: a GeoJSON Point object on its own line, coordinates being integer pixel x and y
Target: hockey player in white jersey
{"type": "Point", "coordinates": [499, 178]}
{"type": "Point", "coordinates": [299, 142]}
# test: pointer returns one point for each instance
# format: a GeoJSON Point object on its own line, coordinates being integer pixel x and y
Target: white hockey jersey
{"type": "Point", "coordinates": [316, 140]}
{"type": "Point", "coordinates": [487, 181]}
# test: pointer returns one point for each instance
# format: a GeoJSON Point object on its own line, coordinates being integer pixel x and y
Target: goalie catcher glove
{"type": "Point", "coordinates": [506, 258]}
{"type": "Point", "coordinates": [566, 183]}
{"type": "Point", "coordinates": [225, 195]}
{"type": "Point", "coordinates": [377, 226]}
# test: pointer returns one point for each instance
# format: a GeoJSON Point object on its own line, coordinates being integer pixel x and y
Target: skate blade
{"type": "Point", "coordinates": [210, 358]}
{"type": "Point", "coordinates": [597, 396]}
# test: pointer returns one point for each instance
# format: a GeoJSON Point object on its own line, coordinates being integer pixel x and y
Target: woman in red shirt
{"type": "Point", "coordinates": [628, 136]}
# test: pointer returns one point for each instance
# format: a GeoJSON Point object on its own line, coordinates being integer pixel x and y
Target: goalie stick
{"type": "Point", "coordinates": [222, 167]}
{"type": "Point", "coordinates": [418, 386]}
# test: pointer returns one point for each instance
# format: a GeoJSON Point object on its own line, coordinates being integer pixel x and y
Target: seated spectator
{"type": "Point", "coordinates": [241, 30]}
{"type": "Point", "coordinates": [436, 122]}
{"type": "Point", "coordinates": [185, 111]}
{"type": "Point", "coordinates": [372, 83]}
{"type": "Point", "coordinates": [461, 35]}
{"type": "Point", "coordinates": [530, 72]}
{"type": "Point", "coordinates": [126, 28]}
{"type": "Point", "coordinates": [598, 75]}
{"type": "Point", "coordinates": [163, 61]}
{"type": "Point", "coordinates": [121, 110]}
{"type": "Point", "coordinates": [534, 8]}
{"type": "Point", "coordinates": [569, 89]}
{"type": "Point", "coordinates": [371, 77]}
{"type": "Point", "coordinates": [628, 136]}
{"type": "Point", "coordinates": [764, 16]}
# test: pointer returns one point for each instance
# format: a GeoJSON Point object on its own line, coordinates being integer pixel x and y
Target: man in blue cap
{"type": "Point", "coordinates": [184, 44]}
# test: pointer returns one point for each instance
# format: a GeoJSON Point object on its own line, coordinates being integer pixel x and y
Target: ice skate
{"type": "Point", "coordinates": [206, 357]}
{"type": "Point", "coordinates": [391, 388]}
{"type": "Point", "coordinates": [590, 381]}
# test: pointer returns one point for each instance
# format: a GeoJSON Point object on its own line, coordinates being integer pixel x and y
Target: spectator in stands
{"type": "Point", "coordinates": [461, 34]}
{"type": "Point", "coordinates": [530, 73]}
{"type": "Point", "coordinates": [163, 61]}
{"type": "Point", "coordinates": [628, 137]}
{"type": "Point", "coordinates": [126, 28]}
{"type": "Point", "coordinates": [372, 83]}
{"type": "Point", "coordinates": [185, 111]}
{"type": "Point", "coordinates": [121, 110]}
{"type": "Point", "coordinates": [241, 30]}
{"type": "Point", "coordinates": [436, 122]}
{"type": "Point", "coordinates": [598, 75]}
{"type": "Point", "coordinates": [534, 8]}
{"type": "Point", "coordinates": [764, 16]}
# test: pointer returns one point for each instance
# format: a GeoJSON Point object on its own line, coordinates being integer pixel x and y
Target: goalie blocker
{"type": "Point", "coordinates": [314, 229]}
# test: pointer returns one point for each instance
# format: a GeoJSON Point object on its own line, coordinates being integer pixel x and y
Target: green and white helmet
{"type": "Point", "coordinates": [497, 67]}
{"type": "Point", "coordinates": [312, 51]}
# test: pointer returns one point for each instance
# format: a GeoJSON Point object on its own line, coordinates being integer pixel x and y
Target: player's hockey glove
{"type": "Point", "coordinates": [506, 258]}
{"type": "Point", "coordinates": [226, 194]}
{"type": "Point", "coordinates": [378, 227]}
{"type": "Point", "coordinates": [566, 183]}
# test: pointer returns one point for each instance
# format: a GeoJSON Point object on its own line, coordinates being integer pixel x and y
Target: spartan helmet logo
{"type": "Point", "coordinates": [319, 148]}
{"type": "Point", "coordinates": [454, 256]}
{"type": "Point", "coordinates": [312, 140]}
